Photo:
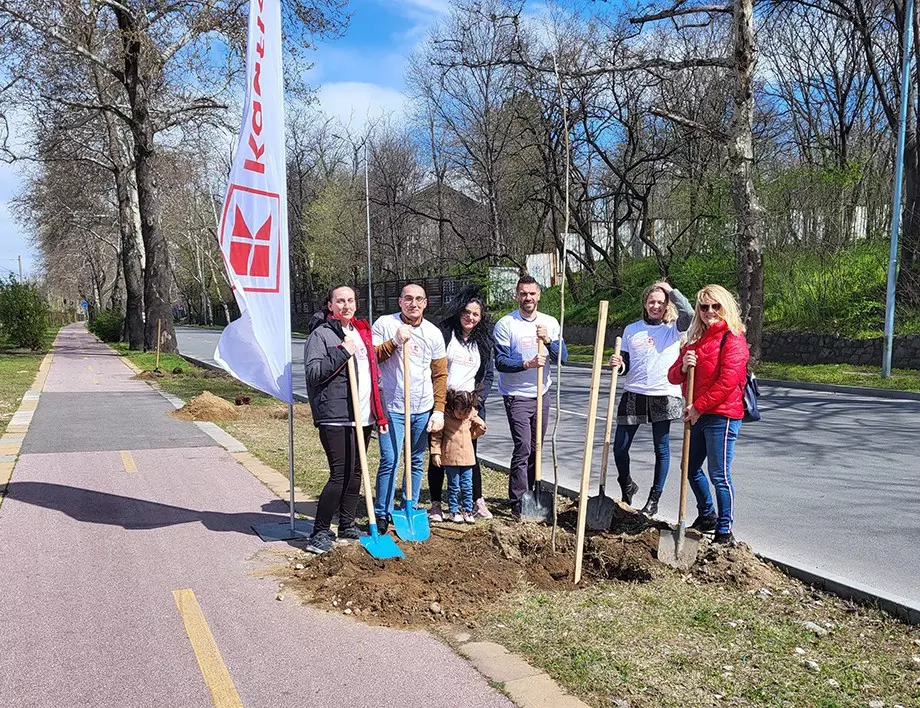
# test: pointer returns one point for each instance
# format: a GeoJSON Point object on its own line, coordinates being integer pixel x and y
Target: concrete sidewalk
{"type": "Point", "coordinates": [132, 578]}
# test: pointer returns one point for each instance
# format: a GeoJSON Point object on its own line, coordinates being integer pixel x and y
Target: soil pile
{"type": "Point", "coordinates": [207, 407]}
{"type": "Point", "coordinates": [461, 571]}
{"type": "Point", "coordinates": [736, 564]}
{"type": "Point", "coordinates": [149, 375]}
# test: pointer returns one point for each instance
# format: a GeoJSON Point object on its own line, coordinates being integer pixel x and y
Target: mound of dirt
{"type": "Point", "coordinates": [461, 571]}
{"type": "Point", "coordinates": [149, 375]}
{"type": "Point", "coordinates": [207, 407]}
{"type": "Point", "coordinates": [736, 564]}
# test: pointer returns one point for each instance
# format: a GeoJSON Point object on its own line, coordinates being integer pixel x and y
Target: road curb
{"type": "Point", "coordinates": [849, 390]}
{"type": "Point", "coordinates": [299, 397]}
{"type": "Point", "coordinates": [898, 607]}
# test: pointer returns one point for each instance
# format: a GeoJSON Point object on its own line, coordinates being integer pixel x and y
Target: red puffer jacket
{"type": "Point", "coordinates": [721, 371]}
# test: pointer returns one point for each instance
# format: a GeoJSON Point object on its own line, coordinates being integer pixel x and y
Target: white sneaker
{"type": "Point", "coordinates": [457, 517]}
{"type": "Point", "coordinates": [480, 510]}
{"type": "Point", "coordinates": [435, 513]}
{"type": "Point", "coordinates": [468, 517]}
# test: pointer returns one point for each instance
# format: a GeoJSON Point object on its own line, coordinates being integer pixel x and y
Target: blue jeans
{"type": "Point", "coordinates": [661, 436]}
{"type": "Point", "coordinates": [459, 484]}
{"type": "Point", "coordinates": [391, 447]}
{"type": "Point", "coordinates": [713, 439]}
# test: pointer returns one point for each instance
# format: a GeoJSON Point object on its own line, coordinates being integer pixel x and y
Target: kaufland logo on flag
{"type": "Point", "coordinates": [256, 348]}
{"type": "Point", "coordinates": [252, 247]}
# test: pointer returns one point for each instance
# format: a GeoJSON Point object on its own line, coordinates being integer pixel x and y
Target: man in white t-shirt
{"type": "Point", "coordinates": [427, 392]}
{"type": "Point", "coordinates": [518, 360]}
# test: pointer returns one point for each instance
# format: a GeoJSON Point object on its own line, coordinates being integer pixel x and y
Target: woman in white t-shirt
{"type": "Point", "coordinates": [466, 330]}
{"type": "Point", "coordinates": [650, 346]}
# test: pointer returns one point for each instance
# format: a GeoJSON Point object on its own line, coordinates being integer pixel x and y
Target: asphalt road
{"type": "Point", "coordinates": [828, 482]}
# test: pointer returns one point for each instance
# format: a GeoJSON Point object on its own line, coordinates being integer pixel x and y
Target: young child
{"type": "Point", "coordinates": [452, 448]}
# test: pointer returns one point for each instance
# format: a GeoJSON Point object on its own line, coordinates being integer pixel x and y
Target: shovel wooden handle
{"type": "Point", "coordinates": [538, 445]}
{"type": "Point", "coordinates": [685, 455]}
{"type": "Point", "coordinates": [597, 366]}
{"type": "Point", "coordinates": [359, 434]}
{"type": "Point", "coordinates": [407, 413]}
{"type": "Point", "coordinates": [605, 457]}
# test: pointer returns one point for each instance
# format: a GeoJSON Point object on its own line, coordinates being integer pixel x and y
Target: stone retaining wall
{"type": "Point", "coordinates": [801, 347]}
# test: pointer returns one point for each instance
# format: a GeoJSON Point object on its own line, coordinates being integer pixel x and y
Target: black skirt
{"type": "Point", "coordinates": [637, 408]}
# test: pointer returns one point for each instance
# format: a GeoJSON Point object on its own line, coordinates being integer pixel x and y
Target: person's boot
{"type": "Point", "coordinates": [651, 506]}
{"type": "Point", "coordinates": [705, 523]}
{"type": "Point", "coordinates": [629, 490]}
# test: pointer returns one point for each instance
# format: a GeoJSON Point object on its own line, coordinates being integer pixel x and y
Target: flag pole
{"type": "Point", "coordinates": [291, 456]}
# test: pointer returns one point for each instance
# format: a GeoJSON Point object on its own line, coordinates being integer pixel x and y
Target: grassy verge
{"type": "Point", "coordinates": [842, 375]}
{"type": "Point", "coordinates": [17, 372]}
{"type": "Point", "coordinates": [676, 643]}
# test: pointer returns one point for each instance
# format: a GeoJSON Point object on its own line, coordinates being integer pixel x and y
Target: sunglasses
{"type": "Point", "coordinates": [706, 307]}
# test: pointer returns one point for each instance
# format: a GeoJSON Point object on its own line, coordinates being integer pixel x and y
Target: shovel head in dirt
{"type": "Point", "coordinates": [677, 548]}
{"type": "Point", "coordinates": [380, 546]}
{"type": "Point", "coordinates": [600, 512]}
{"type": "Point", "coordinates": [411, 524]}
{"type": "Point", "coordinates": [537, 505]}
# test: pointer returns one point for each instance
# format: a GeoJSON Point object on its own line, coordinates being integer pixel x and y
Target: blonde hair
{"type": "Point", "coordinates": [670, 313]}
{"type": "Point", "coordinates": [730, 312]}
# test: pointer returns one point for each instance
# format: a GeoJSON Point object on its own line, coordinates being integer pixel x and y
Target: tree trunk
{"type": "Point", "coordinates": [156, 248]}
{"type": "Point", "coordinates": [130, 261]}
{"type": "Point", "coordinates": [748, 212]}
{"type": "Point", "coordinates": [909, 265]}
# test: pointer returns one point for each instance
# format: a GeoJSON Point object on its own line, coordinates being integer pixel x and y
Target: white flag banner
{"type": "Point", "coordinates": [256, 348]}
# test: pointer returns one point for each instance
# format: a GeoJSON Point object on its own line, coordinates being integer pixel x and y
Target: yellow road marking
{"type": "Point", "coordinates": [128, 461]}
{"type": "Point", "coordinates": [215, 673]}
{"type": "Point", "coordinates": [89, 367]}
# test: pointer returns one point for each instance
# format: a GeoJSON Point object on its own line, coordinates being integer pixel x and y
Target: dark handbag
{"type": "Point", "coordinates": [750, 393]}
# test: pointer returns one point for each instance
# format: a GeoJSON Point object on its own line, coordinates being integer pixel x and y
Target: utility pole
{"type": "Point", "coordinates": [888, 344]}
{"type": "Point", "coordinates": [19, 258]}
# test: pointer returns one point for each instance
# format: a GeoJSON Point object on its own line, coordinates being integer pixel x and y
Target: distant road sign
{"type": "Point", "coordinates": [84, 304]}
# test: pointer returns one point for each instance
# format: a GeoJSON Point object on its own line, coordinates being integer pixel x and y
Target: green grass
{"type": "Point", "coordinates": [842, 375]}
{"type": "Point", "coordinates": [17, 372]}
{"type": "Point", "coordinates": [677, 643]}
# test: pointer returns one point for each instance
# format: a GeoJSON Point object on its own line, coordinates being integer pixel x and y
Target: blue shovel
{"type": "Point", "coordinates": [378, 546]}
{"type": "Point", "coordinates": [411, 524]}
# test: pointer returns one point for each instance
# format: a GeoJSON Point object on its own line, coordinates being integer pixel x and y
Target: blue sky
{"type": "Point", "coordinates": [359, 74]}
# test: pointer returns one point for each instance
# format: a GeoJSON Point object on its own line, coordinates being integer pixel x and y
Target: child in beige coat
{"type": "Point", "coordinates": [452, 448]}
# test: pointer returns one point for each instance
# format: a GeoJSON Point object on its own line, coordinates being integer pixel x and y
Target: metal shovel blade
{"type": "Point", "coordinates": [412, 524]}
{"type": "Point", "coordinates": [600, 512]}
{"type": "Point", "coordinates": [537, 505]}
{"type": "Point", "coordinates": [381, 546]}
{"type": "Point", "coordinates": [676, 548]}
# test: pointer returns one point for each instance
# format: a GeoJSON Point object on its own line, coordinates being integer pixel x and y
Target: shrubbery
{"type": "Point", "coordinates": [24, 315]}
{"type": "Point", "coordinates": [107, 325]}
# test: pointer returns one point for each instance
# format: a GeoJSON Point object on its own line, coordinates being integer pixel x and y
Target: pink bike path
{"type": "Point", "coordinates": [94, 548]}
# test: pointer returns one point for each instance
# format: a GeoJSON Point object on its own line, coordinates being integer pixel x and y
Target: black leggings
{"type": "Point", "coordinates": [343, 489]}
{"type": "Point", "coordinates": [436, 479]}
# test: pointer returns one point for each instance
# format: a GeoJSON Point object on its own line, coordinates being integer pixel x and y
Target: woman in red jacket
{"type": "Point", "coordinates": [717, 348]}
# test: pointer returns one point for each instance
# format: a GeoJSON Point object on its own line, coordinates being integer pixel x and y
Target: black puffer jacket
{"type": "Point", "coordinates": [325, 367]}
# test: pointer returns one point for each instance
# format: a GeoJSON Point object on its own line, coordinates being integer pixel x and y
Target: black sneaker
{"type": "Point", "coordinates": [705, 523]}
{"type": "Point", "coordinates": [724, 538]}
{"type": "Point", "coordinates": [321, 542]}
{"type": "Point", "coordinates": [348, 533]}
{"type": "Point", "coordinates": [382, 525]}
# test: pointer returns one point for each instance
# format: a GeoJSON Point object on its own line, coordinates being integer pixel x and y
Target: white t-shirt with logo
{"type": "Point", "coordinates": [425, 344]}
{"type": "Point", "coordinates": [652, 350]}
{"type": "Point", "coordinates": [520, 336]}
{"type": "Point", "coordinates": [363, 367]}
{"type": "Point", "coordinates": [463, 362]}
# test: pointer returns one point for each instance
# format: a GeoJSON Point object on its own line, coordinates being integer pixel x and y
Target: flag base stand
{"type": "Point", "coordinates": [283, 532]}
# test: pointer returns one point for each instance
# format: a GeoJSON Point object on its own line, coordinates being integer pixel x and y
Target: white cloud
{"type": "Point", "coordinates": [355, 102]}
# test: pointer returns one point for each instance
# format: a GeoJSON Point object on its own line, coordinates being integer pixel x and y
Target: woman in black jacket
{"type": "Point", "coordinates": [468, 338]}
{"type": "Point", "coordinates": [336, 336]}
